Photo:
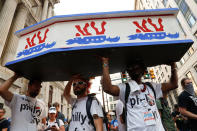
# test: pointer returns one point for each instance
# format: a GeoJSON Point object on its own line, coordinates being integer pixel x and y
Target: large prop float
{"type": "Point", "coordinates": [58, 47]}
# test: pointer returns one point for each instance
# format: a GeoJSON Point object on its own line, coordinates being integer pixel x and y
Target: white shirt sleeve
{"type": "Point", "coordinates": [13, 101]}
{"type": "Point", "coordinates": [157, 88]}
{"type": "Point", "coordinates": [61, 122]}
{"type": "Point", "coordinates": [119, 108]}
{"type": "Point", "coordinates": [44, 109]}
{"type": "Point", "coordinates": [122, 88]}
{"type": "Point", "coordinates": [96, 108]}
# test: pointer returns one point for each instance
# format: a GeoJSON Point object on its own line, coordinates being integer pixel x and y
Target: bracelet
{"type": "Point", "coordinates": [105, 65]}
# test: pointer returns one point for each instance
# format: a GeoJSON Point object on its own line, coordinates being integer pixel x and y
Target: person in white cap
{"type": "Point", "coordinates": [54, 124]}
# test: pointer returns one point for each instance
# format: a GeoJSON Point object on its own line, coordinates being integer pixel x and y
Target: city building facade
{"type": "Point", "coordinates": [187, 66]}
{"type": "Point", "coordinates": [108, 101]}
{"type": "Point", "coordinates": [16, 15]}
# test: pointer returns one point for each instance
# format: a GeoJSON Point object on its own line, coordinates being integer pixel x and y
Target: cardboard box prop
{"type": "Point", "coordinates": [58, 47]}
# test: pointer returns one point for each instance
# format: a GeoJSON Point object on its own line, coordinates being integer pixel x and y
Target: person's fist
{"type": "Point", "coordinates": [105, 60]}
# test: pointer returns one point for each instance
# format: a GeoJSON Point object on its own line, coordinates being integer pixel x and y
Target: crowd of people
{"type": "Point", "coordinates": [141, 106]}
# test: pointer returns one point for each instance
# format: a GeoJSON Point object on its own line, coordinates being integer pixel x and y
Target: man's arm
{"type": "Point", "coordinates": [44, 120]}
{"type": "Point", "coordinates": [5, 129]}
{"type": "Point", "coordinates": [62, 128]}
{"type": "Point", "coordinates": [4, 88]}
{"type": "Point", "coordinates": [98, 122]}
{"type": "Point", "coordinates": [67, 90]}
{"type": "Point", "coordinates": [173, 84]}
{"type": "Point", "coordinates": [106, 80]}
{"type": "Point", "coordinates": [184, 112]}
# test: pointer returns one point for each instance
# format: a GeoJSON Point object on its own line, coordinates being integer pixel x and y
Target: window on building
{"type": "Point", "coordinates": [157, 5]}
{"type": "Point", "coordinates": [183, 7]}
{"type": "Point", "coordinates": [162, 74]}
{"type": "Point", "coordinates": [195, 34]}
{"type": "Point", "coordinates": [111, 106]}
{"type": "Point", "coordinates": [166, 69]}
{"type": "Point", "coordinates": [191, 19]}
{"type": "Point", "coordinates": [177, 1]}
{"type": "Point", "coordinates": [110, 99]}
{"type": "Point", "coordinates": [160, 67]}
{"type": "Point", "coordinates": [159, 79]}
{"type": "Point", "coordinates": [114, 106]}
{"type": "Point", "coordinates": [165, 2]}
{"type": "Point", "coordinates": [195, 67]}
{"type": "Point", "coordinates": [157, 72]}
{"type": "Point", "coordinates": [190, 51]}
{"type": "Point", "coordinates": [182, 61]}
{"type": "Point", "coordinates": [189, 75]}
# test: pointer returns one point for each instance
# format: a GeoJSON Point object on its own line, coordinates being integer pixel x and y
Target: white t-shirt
{"type": "Point", "coordinates": [119, 111]}
{"type": "Point", "coordinates": [80, 120]}
{"type": "Point", "coordinates": [50, 124]}
{"type": "Point", "coordinates": [141, 114]}
{"type": "Point", "coordinates": [26, 111]}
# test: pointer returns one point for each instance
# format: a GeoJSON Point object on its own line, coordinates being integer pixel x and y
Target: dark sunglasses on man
{"type": "Point", "coordinates": [79, 83]}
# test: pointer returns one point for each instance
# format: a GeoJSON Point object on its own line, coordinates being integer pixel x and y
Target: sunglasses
{"type": "Point", "coordinates": [79, 83]}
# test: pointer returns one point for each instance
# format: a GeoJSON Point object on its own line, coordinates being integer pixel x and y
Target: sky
{"type": "Point", "coordinates": [91, 6]}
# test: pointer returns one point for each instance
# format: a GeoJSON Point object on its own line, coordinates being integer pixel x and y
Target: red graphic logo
{"type": "Point", "coordinates": [37, 107]}
{"type": "Point", "coordinates": [144, 28]}
{"type": "Point", "coordinates": [85, 32]}
{"type": "Point", "coordinates": [30, 41]}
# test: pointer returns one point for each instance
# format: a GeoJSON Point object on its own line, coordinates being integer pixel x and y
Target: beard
{"type": "Point", "coordinates": [33, 94]}
{"type": "Point", "coordinates": [79, 92]}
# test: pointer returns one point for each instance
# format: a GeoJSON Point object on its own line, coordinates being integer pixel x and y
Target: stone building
{"type": "Point", "coordinates": [16, 15]}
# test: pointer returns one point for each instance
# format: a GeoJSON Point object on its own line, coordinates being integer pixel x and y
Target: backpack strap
{"type": "Point", "coordinates": [58, 122]}
{"type": "Point", "coordinates": [74, 105]}
{"type": "Point", "coordinates": [92, 97]}
{"type": "Point", "coordinates": [88, 106]}
{"type": "Point", "coordinates": [47, 121]}
{"type": "Point", "coordinates": [127, 92]}
{"type": "Point", "coordinates": [152, 88]}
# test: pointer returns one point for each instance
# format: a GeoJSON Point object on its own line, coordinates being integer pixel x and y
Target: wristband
{"type": "Point", "coordinates": [105, 65]}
